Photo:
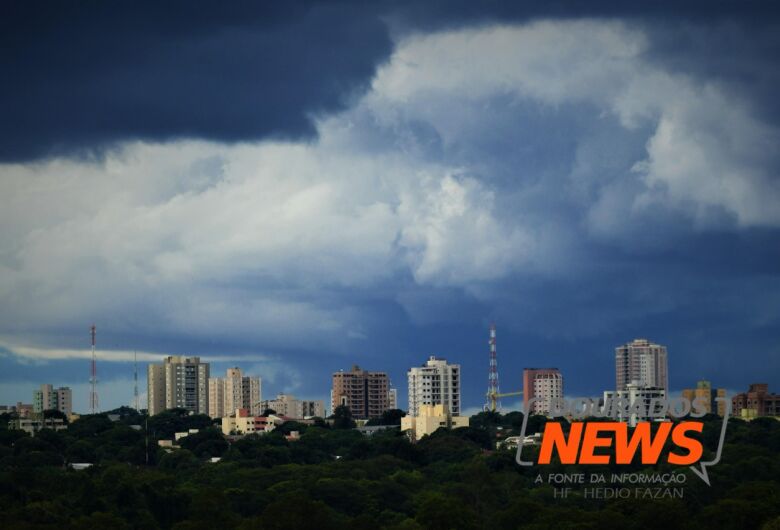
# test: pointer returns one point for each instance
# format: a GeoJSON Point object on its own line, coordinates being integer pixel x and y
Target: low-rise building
{"type": "Point", "coordinates": [512, 442]}
{"type": "Point", "coordinates": [242, 422]}
{"type": "Point", "coordinates": [756, 402]}
{"type": "Point", "coordinates": [633, 393]}
{"type": "Point", "coordinates": [429, 419]}
{"type": "Point", "coordinates": [370, 430]}
{"type": "Point", "coordinates": [33, 425]}
{"type": "Point", "coordinates": [179, 435]}
{"type": "Point", "coordinates": [22, 410]}
{"type": "Point", "coordinates": [287, 405]}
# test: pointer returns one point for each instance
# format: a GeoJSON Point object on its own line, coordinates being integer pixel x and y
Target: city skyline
{"type": "Point", "coordinates": [247, 189]}
{"type": "Point", "coordinates": [513, 403]}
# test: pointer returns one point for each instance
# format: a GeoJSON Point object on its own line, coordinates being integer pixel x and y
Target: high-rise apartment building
{"type": "Point", "coordinates": [392, 398]}
{"type": "Point", "coordinates": [364, 392]}
{"type": "Point", "coordinates": [434, 383]}
{"type": "Point", "coordinates": [287, 405]}
{"type": "Point", "coordinates": [234, 391]}
{"type": "Point", "coordinates": [178, 382]}
{"type": "Point", "coordinates": [217, 398]}
{"type": "Point", "coordinates": [643, 362]}
{"type": "Point", "coordinates": [50, 398]}
{"type": "Point", "coordinates": [545, 384]}
{"type": "Point", "coordinates": [704, 392]}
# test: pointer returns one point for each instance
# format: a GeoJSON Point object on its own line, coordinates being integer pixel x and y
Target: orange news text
{"type": "Point", "coordinates": [585, 438]}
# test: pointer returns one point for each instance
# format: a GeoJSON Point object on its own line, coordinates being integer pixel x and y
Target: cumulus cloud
{"type": "Point", "coordinates": [477, 155]}
{"type": "Point", "coordinates": [708, 151]}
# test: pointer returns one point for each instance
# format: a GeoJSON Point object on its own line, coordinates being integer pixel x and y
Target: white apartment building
{"type": "Point", "coordinates": [178, 382]}
{"type": "Point", "coordinates": [434, 383]}
{"type": "Point", "coordinates": [392, 398]}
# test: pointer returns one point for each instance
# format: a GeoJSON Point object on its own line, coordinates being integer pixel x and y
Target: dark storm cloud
{"type": "Point", "coordinates": [79, 76]}
{"type": "Point", "coordinates": [435, 13]}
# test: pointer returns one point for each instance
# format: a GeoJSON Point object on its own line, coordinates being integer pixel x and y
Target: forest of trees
{"type": "Point", "coordinates": [335, 477]}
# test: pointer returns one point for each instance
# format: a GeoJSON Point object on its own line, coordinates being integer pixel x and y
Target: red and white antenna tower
{"type": "Point", "coordinates": [493, 402]}
{"type": "Point", "coordinates": [93, 396]}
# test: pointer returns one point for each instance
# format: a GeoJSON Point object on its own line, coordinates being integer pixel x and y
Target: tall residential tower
{"type": "Point", "coordinates": [234, 391]}
{"type": "Point", "coordinates": [178, 382]}
{"type": "Point", "coordinates": [50, 398]}
{"type": "Point", "coordinates": [545, 384]}
{"type": "Point", "coordinates": [643, 363]}
{"type": "Point", "coordinates": [367, 394]}
{"type": "Point", "coordinates": [434, 383]}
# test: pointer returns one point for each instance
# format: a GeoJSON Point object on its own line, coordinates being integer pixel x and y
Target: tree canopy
{"type": "Point", "coordinates": [338, 478]}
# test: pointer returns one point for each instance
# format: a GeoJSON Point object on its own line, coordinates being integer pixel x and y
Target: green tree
{"type": "Point", "coordinates": [441, 512]}
{"type": "Point", "coordinates": [342, 418]}
{"type": "Point", "coordinates": [389, 417]}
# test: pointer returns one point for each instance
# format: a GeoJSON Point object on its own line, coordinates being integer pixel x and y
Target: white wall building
{"type": "Point", "coordinates": [392, 398]}
{"type": "Point", "coordinates": [434, 383]}
{"type": "Point", "coordinates": [625, 400]}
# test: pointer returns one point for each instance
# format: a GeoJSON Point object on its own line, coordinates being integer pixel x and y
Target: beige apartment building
{"type": "Point", "coordinates": [178, 382]}
{"type": "Point", "coordinates": [287, 405]}
{"type": "Point", "coordinates": [705, 393]}
{"type": "Point", "coordinates": [50, 398]}
{"type": "Point", "coordinates": [234, 391]}
{"type": "Point", "coordinates": [217, 398]}
{"type": "Point", "coordinates": [241, 421]}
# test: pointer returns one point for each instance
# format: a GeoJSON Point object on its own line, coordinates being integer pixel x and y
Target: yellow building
{"type": "Point", "coordinates": [429, 419]}
{"type": "Point", "coordinates": [242, 422]}
{"type": "Point", "coordinates": [706, 394]}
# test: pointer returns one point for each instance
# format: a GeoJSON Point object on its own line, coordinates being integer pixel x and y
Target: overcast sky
{"type": "Point", "coordinates": [296, 189]}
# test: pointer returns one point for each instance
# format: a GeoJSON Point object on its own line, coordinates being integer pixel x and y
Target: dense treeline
{"type": "Point", "coordinates": [338, 478]}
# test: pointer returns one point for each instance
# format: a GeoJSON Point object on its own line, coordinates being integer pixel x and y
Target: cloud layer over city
{"type": "Point", "coordinates": [571, 179]}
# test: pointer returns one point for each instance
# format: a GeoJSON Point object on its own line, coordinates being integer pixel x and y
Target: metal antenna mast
{"type": "Point", "coordinates": [93, 396]}
{"type": "Point", "coordinates": [135, 378]}
{"type": "Point", "coordinates": [493, 402]}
